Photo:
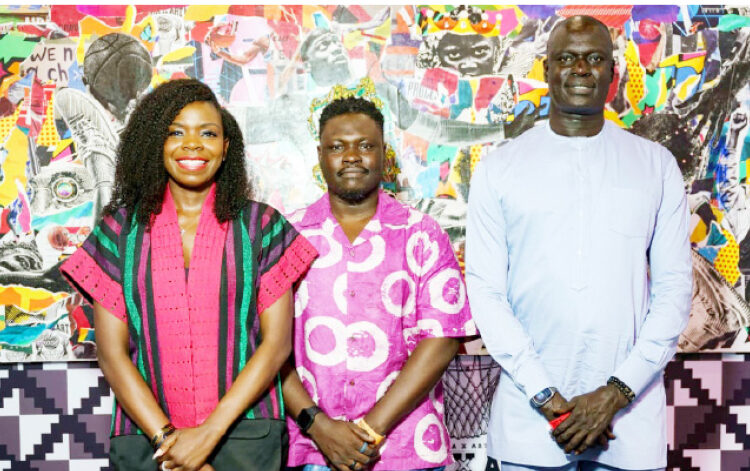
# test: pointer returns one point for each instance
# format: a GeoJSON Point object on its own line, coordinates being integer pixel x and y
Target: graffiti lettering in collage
{"type": "Point", "coordinates": [453, 83]}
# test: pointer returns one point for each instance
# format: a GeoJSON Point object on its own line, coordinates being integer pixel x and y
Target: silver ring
{"type": "Point", "coordinates": [363, 447]}
{"type": "Point", "coordinates": [164, 467]}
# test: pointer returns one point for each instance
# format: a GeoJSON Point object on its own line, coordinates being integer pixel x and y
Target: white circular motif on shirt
{"type": "Point", "coordinates": [428, 440]}
{"type": "Point", "coordinates": [430, 327]}
{"type": "Point", "coordinates": [367, 346]}
{"type": "Point", "coordinates": [339, 292]}
{"type": "Point", "coordinates": [413, 335]}
{"type": "Point", "coordinates": [333, 256]}
{"type": "Point", "coordinates": [374, 226]}
{"type": "Point", "coordinates": [308, 381]}
{"type": "Point", "coordinates": [427, 245]}
{"type": "Point", "coordinates": [398, 308]}
{"type": "Point", "coordinates": [375, 258]}
{"type": "Point", "coordinates": [301, 297]}
{"type": "Point", "coordinates": [414, 217]}
{"type": "Point", "coordinates": [325, 340]}
{"type": "Point", "coordinates": [470, 328]}
{"type": "Point", "coordinates": [296, 216]}
{"type": "Point", "coordinates": [447, 293]}
{"type": "Point", "coordinates": [383, 388]}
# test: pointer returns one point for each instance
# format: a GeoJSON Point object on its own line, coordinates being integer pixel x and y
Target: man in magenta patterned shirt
{"type": "Point", "coordinates": [378, 316]}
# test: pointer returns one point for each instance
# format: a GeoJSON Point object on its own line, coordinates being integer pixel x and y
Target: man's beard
{"type": "Point", "coordinates": [355, 196]}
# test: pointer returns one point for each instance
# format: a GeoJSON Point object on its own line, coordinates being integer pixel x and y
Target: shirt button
{"type": "Point", "coordinates": [351, 293]}
{"type": "Point", "coordinates": [351, 252]}
{"type": "Point", "coordinates": [351, 383]}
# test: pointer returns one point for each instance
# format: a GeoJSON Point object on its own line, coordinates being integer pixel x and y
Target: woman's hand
{"type": "Point", "coordinates": [187, 449]}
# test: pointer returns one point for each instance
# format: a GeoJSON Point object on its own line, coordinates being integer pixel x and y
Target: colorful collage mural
{"type": "Point", "coordinates": [454, 83]}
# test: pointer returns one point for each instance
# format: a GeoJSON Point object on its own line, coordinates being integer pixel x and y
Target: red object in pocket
{"type": "Point", "coordinates": [558, 420]}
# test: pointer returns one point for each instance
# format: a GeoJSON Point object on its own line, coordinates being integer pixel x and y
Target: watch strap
{"type": "Point", "coordinates": [306, 417]}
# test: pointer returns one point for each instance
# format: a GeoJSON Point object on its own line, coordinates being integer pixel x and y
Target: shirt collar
{"type": "Point", "coordinates": [388, 211]}
{"type": "Point", "coordinates": [578, 141]}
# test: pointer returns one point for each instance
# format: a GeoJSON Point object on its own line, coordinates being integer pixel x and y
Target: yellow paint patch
{"type": "Point", "coordinates": [661, 99]}
{"type": "Point", "coordinates": [455, 174]}
{"type": "Point", "coordinates": [352, 39]}
{"type": "Point", "coordinates": [90, 25]}
{"type": "Point", "coordinates": [697, 62]}
{"type": "Point", "coordinates": [718, 214]}
{"type": "Point", "coordinates": [476, 156]}
{"type": "Point", "coordinates": [8, 123]}
{"type": "Point", "coordinates": [29, 299]}
{"type": "Point", "coordinates": [14, 167]}
{"type": "Point", "coordinates": [137, 32]}
{"type": "Point", "coordinates": [534, 96]}
{"type": "Point", "coordinates": [445, 189]}
{"type": "Point", "coordinates": [614, 117]}
{"type": "Point", "coordinates": [537, 70]}
{"type": "Point", "coordinates": [383, 30]}
{"type": "Point", "coordinates": [204, 12]}
{"type": "Point", "coordinates": [687, 86]}
{"type": "Point", "coordinates": [728, 258]}
{"type": "Point", "coordinates": [710, 84]}
{"type": "Point", "coordinates": [157, 79]}
{"type": "Point", "coordinates": [62, 144]}
{"type": "Point", "coordinates": [700, 231]}
{"type": "Point", "coordinates": [83, 332]}
{"type": "Point", "coordinates": [179, 54]}
{"type": "Point", "coordinates": [634, 89]}
{"type": "Point", "coordinates": [48, 134]}
{"type": "Point", "coordinates": [127, 25]}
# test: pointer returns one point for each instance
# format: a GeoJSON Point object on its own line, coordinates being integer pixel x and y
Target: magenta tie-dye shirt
{"type": "Point", "coordinates": [361, 311]}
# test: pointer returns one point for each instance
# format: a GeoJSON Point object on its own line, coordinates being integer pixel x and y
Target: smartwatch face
{"type": "Point", "coordinates": [304, 420]}
{"type": "Point", "coordinates": [542, 395]}
{"type": "Point", "coordinates": [306, 417]}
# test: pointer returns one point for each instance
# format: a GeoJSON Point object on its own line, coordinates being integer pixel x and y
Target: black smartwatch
{"type": "Point", "coordinates": [306, 417]}
{"type": "Point", "coordinates": [543, 397]}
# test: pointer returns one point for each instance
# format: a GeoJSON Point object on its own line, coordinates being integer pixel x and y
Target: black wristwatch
{"type": "Point", "coordinates": [306, 417]}
{"type": "Point", "coordinates": [543, 397]}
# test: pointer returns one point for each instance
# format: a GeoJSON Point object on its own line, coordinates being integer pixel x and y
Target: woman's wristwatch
{"type": "Point", "coordinates": [306, 417]}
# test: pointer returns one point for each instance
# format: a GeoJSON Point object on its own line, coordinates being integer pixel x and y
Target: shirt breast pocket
{"type": "Point", "coordinates": [629, 212]}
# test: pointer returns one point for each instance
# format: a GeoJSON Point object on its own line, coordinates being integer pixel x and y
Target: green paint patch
{"type": "Point", "coordinates": [438, 153]}
{"type": "Point", "coordinates": [732, 22]}
{"type": "Point", "coordinates": [15, 45]}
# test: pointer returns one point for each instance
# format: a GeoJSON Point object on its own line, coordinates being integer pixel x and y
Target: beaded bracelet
{"type": "Point", "coordinates": [162, 435]}
{"type": "Point", "coordinates": [622, 387]}
{"type": "Point", "coordinates": [375, 435]}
